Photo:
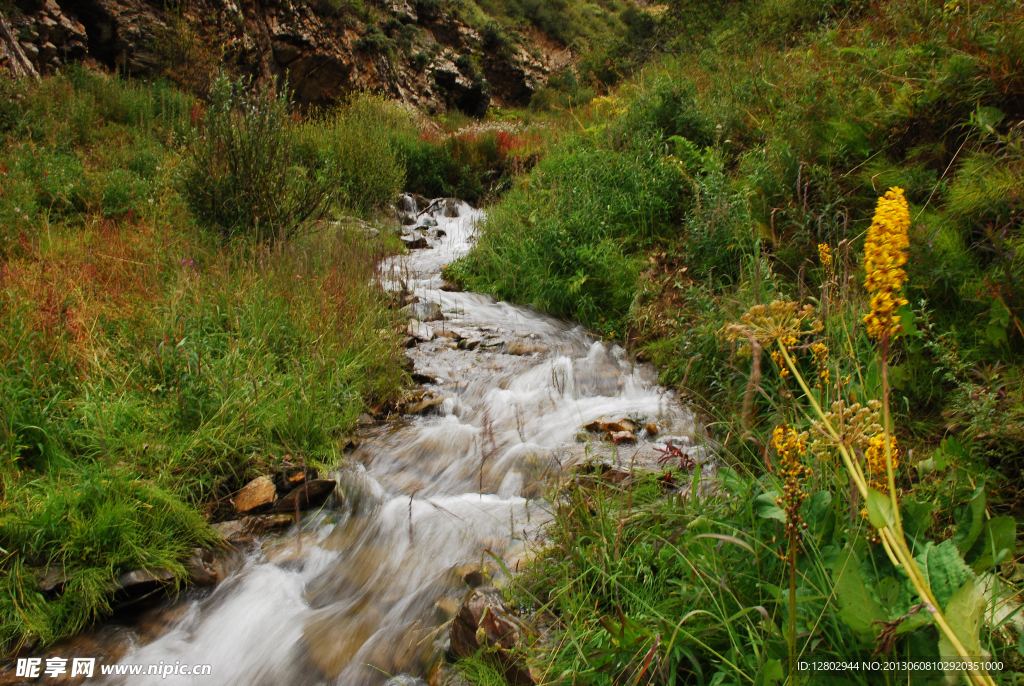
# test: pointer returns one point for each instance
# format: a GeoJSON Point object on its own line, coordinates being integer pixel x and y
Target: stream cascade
{"type": "Point", "coordinates": [363, 594]}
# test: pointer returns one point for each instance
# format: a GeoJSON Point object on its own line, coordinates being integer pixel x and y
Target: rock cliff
{"type": "Point", "coordinates": [418, 52]}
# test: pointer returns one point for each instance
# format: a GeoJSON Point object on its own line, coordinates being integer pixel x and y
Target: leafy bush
{"type": "Point", "coordinates": [242, 177]}
{"type": "Point", "coordinates": [354, 147]}
{"type": "Point", "coordinates": [571, 240]}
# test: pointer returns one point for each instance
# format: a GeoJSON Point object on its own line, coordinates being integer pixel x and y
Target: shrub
{"type": "Point", "coordinates": [570, 241]}
{"type": "Point", "coordinates": [241, 177]}
{"type": "Point", "coordinates": [354, 148]}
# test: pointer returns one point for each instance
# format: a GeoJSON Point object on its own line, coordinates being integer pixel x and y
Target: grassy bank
{"type": "Point", "coordinates": [743, 171]}
{"type": "Point", "coordinates": [179, 314]}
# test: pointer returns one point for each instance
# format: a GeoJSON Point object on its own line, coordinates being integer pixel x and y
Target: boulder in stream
{"type": "Point", "coordinates": [414, 242]}
{"type": "Point", "coordinates": [484, 618]}
{"type": "Point", "coordinates": [420, 331]}
{"type": "Point", "coordinates": [424, 312]}
{"type": "Point", "coordinates": [622, 437]}
{"type": "Point", "coordinates": [201, 569]}
{"type": "Point", "coordinates": [310, 494]}
{"type": "Point", "coordinates": [609, 425]}
{"type": "Point", "coordinates": [424, 404]}
{"type": "Point", "coordinates": [451, 207]}
{"type": "Point", "coordinates": [240, 531]}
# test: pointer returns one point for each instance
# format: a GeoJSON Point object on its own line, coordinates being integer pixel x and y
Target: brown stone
{"type": "Point", "coordinates": [256, 494]}
{"type": "Point", "coordinates": [485, 615]}
{"type": "Point", "coordinates": [310, 494]}
{"type": "Point", "coordinates": [423, 405]}
{"type": "Point", "coordinates": [622, 437]}
{"type": "Point", "coordinates": [243, 530]}
{"type": "Point", "coordinates": [524, 348]}
{"type": "Point", "coordinates": [651, 428]}
{"type": "Point", "coordinates": [609, 425]}
{"type": "Point", "coordinates": [200, 568]}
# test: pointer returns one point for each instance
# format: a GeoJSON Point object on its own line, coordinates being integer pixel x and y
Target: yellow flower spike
{"type": "Point", "coordinates": [875, 456]}
{"type": "Point", "coordinates": [825, 255]}
{"type": "Point", "coordinates": [884, 256]}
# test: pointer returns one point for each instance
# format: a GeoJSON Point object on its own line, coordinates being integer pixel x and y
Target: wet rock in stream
{"type": "Point", "coordinates": [310, 494]}
{"type": "Point", "coordinates": [484, 621]}
{"type": "Point", "coordinates": [420, 331]}
{"type": "Point", "coordinates": [244, 530]}
{"type": "Point", "coordinates": [423, 311]}
{"type": "Point", "coordinates": [412, 242]}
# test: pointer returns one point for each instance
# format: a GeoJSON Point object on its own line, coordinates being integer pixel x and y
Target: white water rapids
{"type": "Point", "coordinates": [365, 594]}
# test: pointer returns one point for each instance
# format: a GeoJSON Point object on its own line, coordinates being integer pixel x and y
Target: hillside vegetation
{"type": "Point", "coordinates": [712, 212]}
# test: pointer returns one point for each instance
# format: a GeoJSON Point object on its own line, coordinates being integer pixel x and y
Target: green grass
{"type": "Point", "coordinates": [704, 186]}
{"type": "Point", "coordinates": [152, 360]}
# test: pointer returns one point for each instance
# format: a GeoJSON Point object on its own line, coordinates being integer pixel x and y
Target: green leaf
{"type": "Point", "coordinates": [819, 515]}
{"type": "Point", "coordinates": [917, 519]}
{"type": "Point", "coordinates": [972, 519]}
{"type": "Point", "coordinates": [887, 590]}
{"type": "Point", "coordinates": [908, 321]}
{"type": "Point", "coordinates": [1000, 538]}
{"type": "Point", "coordinates": [766, 508]}
{"type": "Point", "coordinates": [944, 569]}
{"type": "Point", "coordinates": [987, 117]}
{"type": "Point", "coordinates": [964, 614]}
{"type": "Point", "coordinates": [771, 673]}
{"type": "Point", "coordinates": [996, 334]}
{"type": "Point", "coordinates": [914, 622]}
{"type": "Point", "coordinates": [879, 509]}
{"type": "Point", "coordinates": [857, 606]}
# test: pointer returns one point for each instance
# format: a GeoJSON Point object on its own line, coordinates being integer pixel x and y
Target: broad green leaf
{"type": "Point", "coordinates": [972, 520]}
{"type": "Point", "coordinates": [857, 606]}
{"type": "Point", "coordinates": [917, 519]}
{"type": "Point", "coordinates": [887, 591]}
{"type": "Point", "coordinates": [818, 514]}
{"type": "Point", "coordinates": [987, 117]}
{"type": "Point", "coordinates": [999, 540]}
{"type": "Point", "coordinates": [964, 614]}
{"type": "Point", "coordinates": [908, 321]}
{"type": "Point", "coordinates": [879, 509]}
{"type": "Point", "coordinates": [996, 334]}
{"type": "Point", "coordinates": [771, 673]}
{"type": "Point", "coordinates": [944, 569]}
{"type": "Point", "coordinates": [766, 507]}
{"type": "Point", "coordinates": [914, 622]}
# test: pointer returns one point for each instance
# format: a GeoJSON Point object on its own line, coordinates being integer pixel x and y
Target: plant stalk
{"type": "Point", "coordinates": [896, 543]}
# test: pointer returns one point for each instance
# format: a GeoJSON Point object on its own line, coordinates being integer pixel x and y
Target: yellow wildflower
{"type": "Point", "coordinates": [820, 353]}
{"type": "Point", "coordinates": [875, 456]}
{"type": "Point", "coordinates": [825, 255]}
{"type": "Point", "coordinates": [884, 257]}
{"type": "Point", "coordinates": [778, 359]}
{"type": "Point", "coordinates": [791, 446]}
{"type": "Point", "coordinates": [781, 320]}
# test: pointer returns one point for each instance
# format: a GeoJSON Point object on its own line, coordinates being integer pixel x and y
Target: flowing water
{"type": "Point", "coordinates": [364, 593]}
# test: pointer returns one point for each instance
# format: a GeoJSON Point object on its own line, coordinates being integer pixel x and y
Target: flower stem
{"type": "Point", "coordinates": [895, 544]}
{"type": "Point", "coordinates": [890, 476]}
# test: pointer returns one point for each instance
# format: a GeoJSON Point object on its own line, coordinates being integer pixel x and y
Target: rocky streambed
{"type": "Point", "coordinates": [390, 566]}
